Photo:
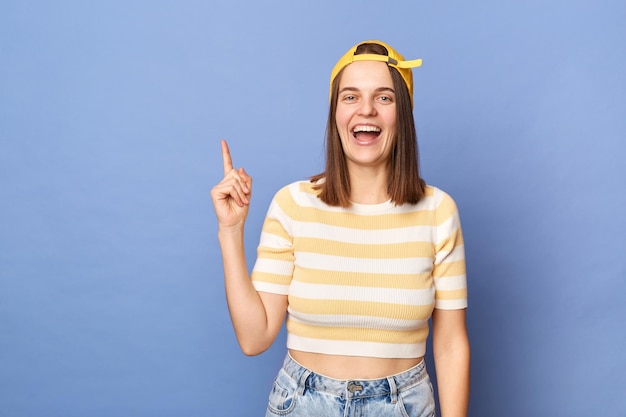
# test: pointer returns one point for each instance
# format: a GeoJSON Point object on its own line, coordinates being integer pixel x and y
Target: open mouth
{"type": "Point", "coordinates": [366, 133]}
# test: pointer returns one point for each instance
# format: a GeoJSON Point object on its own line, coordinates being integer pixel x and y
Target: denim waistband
{"type": "Point", "coordinates": [352, 388]}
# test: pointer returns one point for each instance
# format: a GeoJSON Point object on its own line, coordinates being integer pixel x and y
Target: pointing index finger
{"type": "Point", "coordinates": [228, 161]}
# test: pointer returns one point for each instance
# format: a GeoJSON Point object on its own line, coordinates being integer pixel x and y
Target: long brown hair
{"type": "Point", "coordinates": [405, 186]}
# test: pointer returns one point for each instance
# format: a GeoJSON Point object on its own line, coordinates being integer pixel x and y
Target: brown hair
{"type": "Point", "coordinates": [404, 182]}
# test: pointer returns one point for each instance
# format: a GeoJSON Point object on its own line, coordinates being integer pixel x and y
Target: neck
{"type": "Point", "coordinates": [368, 187]}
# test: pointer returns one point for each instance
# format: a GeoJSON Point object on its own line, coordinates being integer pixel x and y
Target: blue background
{"type": "Point", "coordinates": [111, 291]}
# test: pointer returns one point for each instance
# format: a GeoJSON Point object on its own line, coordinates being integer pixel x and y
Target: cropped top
{"type": "Point", "coordinates": [363, 280]}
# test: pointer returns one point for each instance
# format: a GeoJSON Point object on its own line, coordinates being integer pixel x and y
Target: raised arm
{"type": "Point", "coordinates": [256, 317]}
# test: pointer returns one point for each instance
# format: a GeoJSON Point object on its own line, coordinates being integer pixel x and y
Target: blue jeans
{"type": "Point", "coordinates": [299, 392]}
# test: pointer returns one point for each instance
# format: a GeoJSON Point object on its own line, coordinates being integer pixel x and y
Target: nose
{"type": "Point", "coordinates": [367, 108]}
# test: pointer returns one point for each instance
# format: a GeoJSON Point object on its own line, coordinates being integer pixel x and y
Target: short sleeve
{"type": "Point", "coordinates": [449, 271]}
{"type": "Point", "coordinates": [274, 265]}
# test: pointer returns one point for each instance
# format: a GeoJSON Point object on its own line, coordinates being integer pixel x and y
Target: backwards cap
{"type": "Point", "coordinates": [393, 59]}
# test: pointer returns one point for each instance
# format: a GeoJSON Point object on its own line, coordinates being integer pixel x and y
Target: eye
{"type": "Point", "coordinates": [385, 99]}
{"type": "Point", "coordinates": [349, 99]}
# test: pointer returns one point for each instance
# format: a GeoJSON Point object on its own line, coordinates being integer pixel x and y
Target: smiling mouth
{"type": "Point", "coordinates": [366, 133]}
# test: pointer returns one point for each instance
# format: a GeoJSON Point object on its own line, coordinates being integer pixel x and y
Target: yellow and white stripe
{"type": "Point", "coordinates": [362, 280]}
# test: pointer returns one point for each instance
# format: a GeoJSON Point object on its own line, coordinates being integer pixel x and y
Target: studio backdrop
{"type": "Point", "coordinates": [111, 115]}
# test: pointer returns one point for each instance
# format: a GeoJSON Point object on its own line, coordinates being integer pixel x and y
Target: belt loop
{"type": "Point", "coordinates": [393, 388]}
{"type": "Point", "coordinates": [302, 381]}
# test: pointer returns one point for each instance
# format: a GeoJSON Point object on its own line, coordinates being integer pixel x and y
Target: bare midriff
{"type": "Point", "coordinates": [353, 367]}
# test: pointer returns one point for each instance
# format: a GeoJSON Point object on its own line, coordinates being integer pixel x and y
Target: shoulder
{"type": "Point", "coordinates": [298, 190]}
{"type": "Point", "coordinates": [445, 210]}
{"type": "Point", "coordinates": [437, 199]}
{"type": "Point", "coordinates": [297, 194]}
{"type": "Point", "coordinates": [442, 205]}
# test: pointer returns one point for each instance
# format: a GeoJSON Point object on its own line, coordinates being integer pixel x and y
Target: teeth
{"type": "Point", "coordinates": [366, 129]}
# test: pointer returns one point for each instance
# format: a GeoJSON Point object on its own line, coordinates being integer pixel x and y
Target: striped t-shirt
{"type": "Point", "coordinates": [363, 280]}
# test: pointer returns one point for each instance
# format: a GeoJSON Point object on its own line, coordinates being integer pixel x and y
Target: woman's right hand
{"type": "Point", "coordinates": [231, 197]}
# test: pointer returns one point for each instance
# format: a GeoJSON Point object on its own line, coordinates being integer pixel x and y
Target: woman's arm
{"type": "Point", "coordinates": [451, 351]}
{"type": "Point", "coordinates": [256, 317]}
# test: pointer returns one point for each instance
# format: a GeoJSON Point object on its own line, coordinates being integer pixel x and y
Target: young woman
{"type": "Point", "coordinates": [357, 259]}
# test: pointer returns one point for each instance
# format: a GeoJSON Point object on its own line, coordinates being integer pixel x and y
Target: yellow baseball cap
{"type": "Point", "coordinates": [393, 59]}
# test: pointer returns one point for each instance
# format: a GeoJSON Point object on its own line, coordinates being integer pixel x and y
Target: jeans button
{"type": "Point", "coordinates": [354, 387]}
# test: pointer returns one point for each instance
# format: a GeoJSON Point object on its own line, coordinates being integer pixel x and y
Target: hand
{"type": "Point", "coordinates": [231, 197]}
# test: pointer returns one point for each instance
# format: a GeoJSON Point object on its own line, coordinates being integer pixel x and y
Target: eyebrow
{"type": "Point", "coordinates": [378, 90]}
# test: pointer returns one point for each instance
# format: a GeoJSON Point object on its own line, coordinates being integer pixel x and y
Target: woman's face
{"type": "Point", "coordinates": [366, 114]}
